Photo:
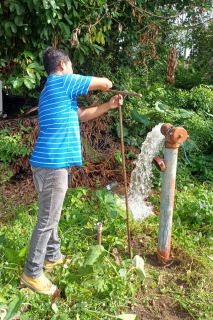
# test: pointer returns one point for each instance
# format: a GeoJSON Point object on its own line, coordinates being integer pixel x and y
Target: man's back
{"type": "Point", "coordinates": [59, 144]}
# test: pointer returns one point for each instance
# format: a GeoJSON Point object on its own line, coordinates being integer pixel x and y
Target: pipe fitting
{"type": "Point", "coordinates": [99, 232]}
{"type": "Point", "coordinates": [174, 135]}
{"type": "Point", "coordinates": [159, 163]}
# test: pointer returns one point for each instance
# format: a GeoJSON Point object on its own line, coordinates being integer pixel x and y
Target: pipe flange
{"type": "Point", "coordinates": [159, 163]}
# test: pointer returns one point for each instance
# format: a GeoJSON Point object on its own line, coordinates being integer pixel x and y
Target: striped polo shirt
{"type": "Point", "coordinates": [59, 144]}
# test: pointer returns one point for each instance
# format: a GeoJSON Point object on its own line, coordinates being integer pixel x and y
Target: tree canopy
{"type": "Point", "coordinates": [123, 32]}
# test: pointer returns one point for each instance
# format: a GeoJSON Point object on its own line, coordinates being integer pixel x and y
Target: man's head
{"type": "Point", "coordinates": [56, 61]}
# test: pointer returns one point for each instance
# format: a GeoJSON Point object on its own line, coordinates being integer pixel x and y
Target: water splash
{"type": "Point", "coordinates": [140, 184]}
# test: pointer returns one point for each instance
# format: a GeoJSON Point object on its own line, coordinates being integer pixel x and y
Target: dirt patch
{"type": "Point", "coordinates": [19, 190]}
{"type": "Point", "coordinates": [163, 308]}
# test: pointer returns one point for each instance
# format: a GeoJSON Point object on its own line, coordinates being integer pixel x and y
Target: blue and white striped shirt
{"type": "Point", "coordinates": [59, 144]}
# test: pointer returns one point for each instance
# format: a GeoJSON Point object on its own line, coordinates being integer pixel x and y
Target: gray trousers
{"type": "Point", "coordinates": [51, 185]}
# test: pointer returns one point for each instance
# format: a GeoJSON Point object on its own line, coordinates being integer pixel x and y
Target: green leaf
{"type": "Point", "coordinates": [30, 73]}
{"type": "Point", "coordinates": [53, 4]}
{"type": "Point", "coordinates": [138, 262]}
{"type": "Point", "coordinates": [36, 2]}
{"type": "Point", "coordinates": [102, 285]}
{"type": "Point", "coordinates": [13, 27]}
{"type": "Point", "coordinates": [85, 271]}
{"type": "Point", "coordinates": [2, 299]}
{"type": "Point", "coordinates": [93, 254]}
{"type": "Point", "coordinates": [7, 24]}
{"type": "Point", "coordinates": [28, 54]}
{"type": "Point", "coordinates": [33, 65]}
{"type": "Point", "coordinates": [125, 130]}
{"type": "Point", "coordinates": [2, 62]}
{"type": "Point", "coordinates": [161, 107]}
{"type": "Point", "coordinates": [2, 237]}
{"type": "Point", "coordinates": [22, 252]}
{"type": "Point", "coordinates": [135, 116]}
{"type": "Point", "coordinates": [64, 28]}
{"type": "Point", "coordinates": [127, 317]}
{"type": "Point", "coordinates": [18, 21]}
{"type": "Point", "coordinates": [75, 13]}
{"type": "Point", "coordinates": [64, 316]}
{"type": "Point", "coordinates": [45, 4]}
{"type": "Point", "coordinates": [54, 307]}
{"type": "Point", "coordinates": [12, 6]}
{"type": "Point", "coordinates": [11, 254]}
{"type": "Point", "coordinates": [189, 145]}
{"type": "Point", "coordinates": [98, 48]}
{"type": "Point", "coordinates": [68, 20]}
{"type": "Point", "coordinates": [9, 34]}
{"type": "Point", "coordinates": [19, 8]}
{"type": "Point", "coordinates": [113, 214]}
{"type": "Point", "coordinates": [29, 83]}
{"type": "Point", "coordinates": [84, 49]}
{"type": "Point", "coordinates": [80, 58]}
{"type": "Point", "coordinates": [14, 306]}
{"type": "Point", "coordinates": [68, 3]}
{"type": "Point", "coordinates": [140, 118]}
{"type": "Point", "coordinates": [209, 114]}
{"type": "Point", "coordinates": [99, 37]}
{"type": "Point", "coordinates": [110, 204]}
{"type": "Point", "coordinates": [17, 82]}
{"type": "Point", "coordinates": [122, 272]}
{"type": "Point", "coordinates": [182, 114]}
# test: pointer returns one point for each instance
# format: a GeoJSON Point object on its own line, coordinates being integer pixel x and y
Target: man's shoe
{"type": "Point", "coordinates": [40, 284]}
{"type": "Point", "coordinates": [49, 265]}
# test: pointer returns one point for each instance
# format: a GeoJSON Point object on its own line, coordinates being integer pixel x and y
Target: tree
{"type": "Point", "coordinates": [123, 31]}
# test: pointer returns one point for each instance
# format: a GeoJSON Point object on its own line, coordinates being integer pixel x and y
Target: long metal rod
{"type": "Point", "coordinates": [125, 93]}
{"type": "Point", "coordinates": [125, 180]}
{"type": "Point", "coordinates": [99, 232]}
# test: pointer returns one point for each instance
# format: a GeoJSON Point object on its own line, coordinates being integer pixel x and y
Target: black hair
{"type": "Point", "coordinates": [52, 57]}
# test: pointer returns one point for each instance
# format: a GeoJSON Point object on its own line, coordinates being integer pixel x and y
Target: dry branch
{"type": "Point", "coordinates": [98, 145]}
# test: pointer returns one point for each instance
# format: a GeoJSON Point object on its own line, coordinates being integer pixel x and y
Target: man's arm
{"type": "Point", "coordinates": [91, 113]}
{"type": "Point", "coordinates": [100, 84]}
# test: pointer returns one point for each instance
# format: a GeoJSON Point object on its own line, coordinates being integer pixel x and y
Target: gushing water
{"type": "Point", "coordinates": [140, 185]}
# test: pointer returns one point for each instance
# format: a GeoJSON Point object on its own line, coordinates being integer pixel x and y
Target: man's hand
{"type": "Point", "coordinates": [115, 101]}
{"type": "Point", "coordinates": [91, 113]}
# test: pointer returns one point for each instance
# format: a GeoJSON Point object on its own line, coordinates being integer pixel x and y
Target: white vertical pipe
{"type": "Point", "coordinates": [167, 203]}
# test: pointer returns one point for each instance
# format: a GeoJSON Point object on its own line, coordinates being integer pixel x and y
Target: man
{"type": "Point", "coordinates": [58, 147]}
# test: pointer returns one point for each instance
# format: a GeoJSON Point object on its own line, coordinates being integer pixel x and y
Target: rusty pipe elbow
{"type": "Point", "coordinates": [159, 163]}
{"type": "Point", "coordinates": [174, 135]}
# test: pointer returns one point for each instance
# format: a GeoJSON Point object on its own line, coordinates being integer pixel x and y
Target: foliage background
{"type": "Point", "coordinates": [129, 42]}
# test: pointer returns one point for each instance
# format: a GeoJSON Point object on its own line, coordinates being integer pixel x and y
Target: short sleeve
{"type": "Point", "coordinates": [76, 84]}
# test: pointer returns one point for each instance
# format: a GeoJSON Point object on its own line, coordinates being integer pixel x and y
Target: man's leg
{"type": "Point", "coordinates": [52, 185]}
{"type": "Point", "coordinates": [53, 246]}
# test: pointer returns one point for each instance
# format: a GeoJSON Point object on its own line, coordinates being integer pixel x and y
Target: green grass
{"type": "Point", "coordinates": [93, 286]}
